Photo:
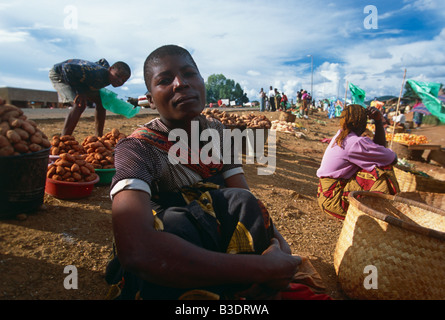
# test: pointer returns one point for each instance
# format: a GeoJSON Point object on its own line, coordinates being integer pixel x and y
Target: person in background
{"type": "Point", "coordinates": [400, 119]}
{"type": "Point", "coordinates": [283, 101]}
{"type": "Point", "coordinates": [262, 100]}
{"type": "Point", "coordinates": [277, 99]}
{"type": "Point", "coordinates": [353, 162]}
{"type": "Point", "coordinates": [78, 83]}
{"type": "Point", "coordinates": [417, 116]}
{"type": "Point", "coordinates": [299, 94]}
{"type": "Point", "coordinates": [304, 104]}
{"type": "Point", "coordinates": [271, 97]}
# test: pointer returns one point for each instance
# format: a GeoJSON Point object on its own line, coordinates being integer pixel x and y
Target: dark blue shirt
{"type": "Point", "coordinates": [84, 76]}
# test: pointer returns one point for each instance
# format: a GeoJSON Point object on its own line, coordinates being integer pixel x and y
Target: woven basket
{"type": "Point", "coordinates": [436, 200]}
{"type": "Point", "coordinates": [403, 241]}
{"type": "Point", "coordinates": [409, 182]}
{"type": "Point", "coordinates": [287, 116]}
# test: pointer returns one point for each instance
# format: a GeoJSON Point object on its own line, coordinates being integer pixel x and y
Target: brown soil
{"type": "Point", "coordinates": [35, 249]}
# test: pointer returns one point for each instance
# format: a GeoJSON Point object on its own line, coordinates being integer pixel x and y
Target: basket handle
{"type": "Point", "coordinates": [352, 197]}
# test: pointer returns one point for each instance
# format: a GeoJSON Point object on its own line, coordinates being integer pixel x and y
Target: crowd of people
{"type": "Point", "coordinates": [397, 117]}
{"type": "Point", "coordinates": [353, 161]}
{"type": "Point", "coordinates": [274, 100]}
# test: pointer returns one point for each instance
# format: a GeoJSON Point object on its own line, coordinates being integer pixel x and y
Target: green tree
{"type": "Point", "coordinates": [219, 87]}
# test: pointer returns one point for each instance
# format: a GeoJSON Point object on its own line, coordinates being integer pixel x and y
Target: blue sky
{"type": "Point", "coordinates": [256, 43]}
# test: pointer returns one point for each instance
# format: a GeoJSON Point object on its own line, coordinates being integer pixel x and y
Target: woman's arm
{"type": "Point", "coordinates": [379, 135]}
{"type": "Point", "coordinates": [166, 259]}
{"type": "Point", "coordinates": [237, 181]}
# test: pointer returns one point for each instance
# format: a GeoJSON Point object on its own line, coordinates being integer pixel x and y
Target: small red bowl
{"type": "Point", "coordinates": [69, 190]}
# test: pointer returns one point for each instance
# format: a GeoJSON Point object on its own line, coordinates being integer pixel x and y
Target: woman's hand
{"type": "Point", "coordinates": [282, 242]}
{"type": "Point", "coordinates": [285, 269]}
{"type": "Point", "coordinates": [379, 135]}
{"type": "Point", "coordinates": [374, 114]}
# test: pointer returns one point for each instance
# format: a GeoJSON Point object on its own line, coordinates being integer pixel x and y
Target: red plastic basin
{"type": "Point", "coordinates": [69, 190]}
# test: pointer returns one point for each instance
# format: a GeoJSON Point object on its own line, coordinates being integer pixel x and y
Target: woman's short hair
{"type": "Point", "coordinates": [163, 51]}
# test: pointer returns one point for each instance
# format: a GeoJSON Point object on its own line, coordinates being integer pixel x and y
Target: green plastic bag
{"type": "Point", "coordinates": [358, 95]}
{"type": "Point", "coordinates": [428, 92]}
{"type": "Point", "coordinates": [111, 102]}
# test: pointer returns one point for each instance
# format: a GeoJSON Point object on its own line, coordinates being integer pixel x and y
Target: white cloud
{"type": "Point", "coordinates": [253, 42]}
{"type": "Point", "coordinates": [23, 82]}
{"type": "Point", "coordinates": [253, 73]}
{"type": "Point", "coordinates": [12, 36]}
{"type": "Point", "coordinates": [334, 73]}
{"type": "Point", "coordinates": [136, 80]}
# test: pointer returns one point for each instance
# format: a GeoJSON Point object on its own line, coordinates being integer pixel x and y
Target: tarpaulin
{"type": "Point", "coordinates": [420, 108]}
{"type": "Point", "coordinates": [358, 95]}
{"type": "Point", "coordinates": [112, 103]}
{"type": "Point", "coordinates": [428, 92]}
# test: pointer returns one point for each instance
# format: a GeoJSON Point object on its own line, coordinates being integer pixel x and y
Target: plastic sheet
{"type": "Point", "coordinates": [112, 103]}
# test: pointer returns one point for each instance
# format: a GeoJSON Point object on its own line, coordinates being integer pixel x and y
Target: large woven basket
{"type": "Point", "coordinates": [391, 248]}
{"type": "Point", "coordinates": [432, 199]}
{"type": "Point", "coordinates": [409, 182]}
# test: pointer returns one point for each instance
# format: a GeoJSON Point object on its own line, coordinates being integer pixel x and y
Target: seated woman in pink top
{"type": "Point", "coordinates": [354, 162]}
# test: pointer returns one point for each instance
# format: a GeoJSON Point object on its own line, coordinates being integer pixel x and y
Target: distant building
{"type": "Point", "coordinates": [30, 98]}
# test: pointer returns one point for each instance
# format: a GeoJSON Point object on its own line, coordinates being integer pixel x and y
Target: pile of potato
{"type": "Point", "coordinates": [113, 136]}
{"type": "Point", "coordinates": [231, 120]}
{"type": "Point", "coordinates": [71, 168]}
{"type": "Point", "coordinates": [78, 162]}
{"type": "Point", "coordinates": [283, 126]}
{"type": "Point", "coordinates": [236, 121]}
{"type": "Point", "coordinates": [99, 153]}
{"type": "Point", "coordinates": [256, 122]}
{"type": "Point", "coordinates": [228, 119]}
{"type": "Point", "coordinates": [65, 144]}
{"type": "Point", "coordinates": [19, 135]}
{"type": "Point", "coordinates": [100, 150]}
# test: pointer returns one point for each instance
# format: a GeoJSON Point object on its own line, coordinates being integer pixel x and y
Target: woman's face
{"type": "Point", "coordinates": [177, 90]}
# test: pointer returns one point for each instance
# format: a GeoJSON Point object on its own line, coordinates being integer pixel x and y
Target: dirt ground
{"type": "Point", "coordinates": [35, 250]}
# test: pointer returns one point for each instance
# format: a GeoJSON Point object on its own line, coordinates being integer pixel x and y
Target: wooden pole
{"type": "Point", "coordinates": [397, 110]}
